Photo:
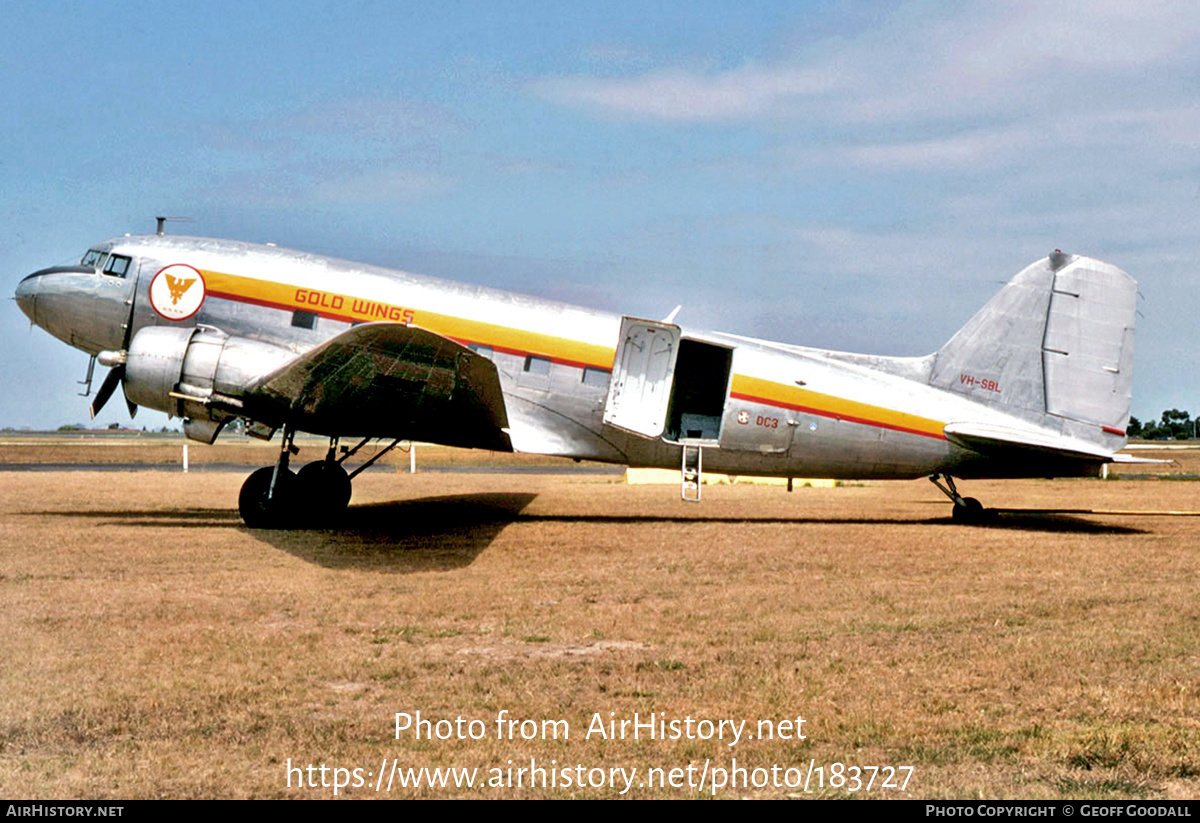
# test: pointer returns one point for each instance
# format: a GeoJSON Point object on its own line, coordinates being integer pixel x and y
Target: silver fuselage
{"type": "Point", "coordinates": [786, 410]}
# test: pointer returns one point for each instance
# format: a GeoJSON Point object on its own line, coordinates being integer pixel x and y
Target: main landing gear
{"type": "Point", "coordinates": [966, 509]}
{"type": "Point", "coordinates": [275, 497]}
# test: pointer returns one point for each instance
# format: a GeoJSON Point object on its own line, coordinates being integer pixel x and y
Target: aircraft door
{"type": "Point", "coordinates": [112, 306]}
{"type": "Point", "coordinates": [643, 372]}
{"type": "Point", "coordinates": [700, 394]}
{"type": "Point", "coordinates": [134, 276]}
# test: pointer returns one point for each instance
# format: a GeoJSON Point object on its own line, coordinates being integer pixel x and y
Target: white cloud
{"type": "Point", "coordinates": [688, 95]}
{"type": "Point", "coordinates": [925, 61]}
{"type": "Point", "coordinates": [975, 149]}
{"type": "Point", "coordinates": [1025, 36]}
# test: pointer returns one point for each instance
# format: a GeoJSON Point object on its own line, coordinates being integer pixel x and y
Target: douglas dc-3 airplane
{"type": "Point", "coordinates": [1036, 384]}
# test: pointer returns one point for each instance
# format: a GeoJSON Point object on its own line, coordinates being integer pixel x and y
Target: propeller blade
{"type": "Point", "coordinates": [115, 374]}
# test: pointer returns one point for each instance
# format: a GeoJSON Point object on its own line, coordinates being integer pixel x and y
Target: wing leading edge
{"type": "Point", "coordinates": [388, 380]}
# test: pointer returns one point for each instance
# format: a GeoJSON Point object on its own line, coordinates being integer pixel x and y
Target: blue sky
{"type": "Point", "coordinates": [850, 175]}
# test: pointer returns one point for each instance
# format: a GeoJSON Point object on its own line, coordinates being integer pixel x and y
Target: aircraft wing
{"type": "Point", "coordinates": [387, 380]}
{"type": "Point", "coordinates": [1032, 445]}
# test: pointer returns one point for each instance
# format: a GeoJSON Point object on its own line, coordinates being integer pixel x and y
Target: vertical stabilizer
{"type": "Point", "coordinates": [1055, 347]}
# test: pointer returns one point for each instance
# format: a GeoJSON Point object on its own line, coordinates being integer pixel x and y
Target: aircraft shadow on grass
{"type": "Point", "coordinates": [449, 532]}
{"type": "Point", "coordinates": [427, 534]}
{"type": "Point", "coordinates": [1056, 522]}
{"type": "Point", "coordinates": [1041, 521]}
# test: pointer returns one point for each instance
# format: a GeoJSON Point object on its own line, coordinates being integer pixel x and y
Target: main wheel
{"type": "Point", "coordinates": [325, 488]}
{"type": "Point", "coordinates": [262, 512]}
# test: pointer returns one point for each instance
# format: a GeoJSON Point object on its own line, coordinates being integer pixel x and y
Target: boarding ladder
{"type": "Point", "coordinates": [690, 476]}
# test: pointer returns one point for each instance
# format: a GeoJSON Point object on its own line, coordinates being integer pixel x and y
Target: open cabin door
{"type": "Point", "coordinates": [643, 371]}
{"type": "Point", "coordinates": [700, 393]}
{"type": "Point", "coordinates": [666, 386]}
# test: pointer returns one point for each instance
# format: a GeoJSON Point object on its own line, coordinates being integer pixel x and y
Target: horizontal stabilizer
{"type": "Point", "coordinates": [998, 441]}
{"type": "Point", "coordinates": [1129, 458]}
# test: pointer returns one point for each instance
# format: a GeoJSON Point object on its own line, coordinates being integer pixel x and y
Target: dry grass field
{"type": "Point", "coordinates": [102, 449]}
{"type": "Point", "coordinates": [151, 646]}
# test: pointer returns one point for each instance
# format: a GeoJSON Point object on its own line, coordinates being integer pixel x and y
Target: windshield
{"type": "Point", "coordinates": [94, 258]}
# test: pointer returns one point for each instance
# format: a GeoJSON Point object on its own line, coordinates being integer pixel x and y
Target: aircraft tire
{"type": "Point", "coordinates": [260, 513]}
{"type": "Point", "coordinates": [969, 511]}
{"type": "Point", "coordinates": [325, 487]}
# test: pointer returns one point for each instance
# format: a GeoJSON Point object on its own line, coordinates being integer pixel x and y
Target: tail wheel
{"type": "Point", "coordinates": [969, 510]}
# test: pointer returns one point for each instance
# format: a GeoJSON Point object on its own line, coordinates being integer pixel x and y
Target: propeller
{"type": "Point", "coordinates": [116, 373]}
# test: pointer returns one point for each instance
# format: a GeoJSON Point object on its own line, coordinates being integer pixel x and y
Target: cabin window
{"type": "Point", "coordinates": [595, 377]}
{"type": "Point", "coordinates": [537, 365]}
{"type": "Point", "coordinates": [302, 319]}
{"type": "Point", "coordinates": [117, 265]}
{"type": "Point", "coordinates": [481, 350]}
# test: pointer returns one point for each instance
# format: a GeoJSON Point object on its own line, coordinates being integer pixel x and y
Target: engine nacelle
{"type": "Point", "coordinates": [197, 373]}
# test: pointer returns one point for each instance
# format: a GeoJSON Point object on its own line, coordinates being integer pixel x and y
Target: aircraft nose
{"type": "Point", "coordinates": [26, 295]}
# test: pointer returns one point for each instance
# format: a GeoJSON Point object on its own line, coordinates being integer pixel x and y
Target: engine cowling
{"type": "Point", "coordinates": [198, 373]}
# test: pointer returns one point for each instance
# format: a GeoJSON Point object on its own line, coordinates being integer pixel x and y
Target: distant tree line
{"type": "Point", "coordinates": [1173, 425]}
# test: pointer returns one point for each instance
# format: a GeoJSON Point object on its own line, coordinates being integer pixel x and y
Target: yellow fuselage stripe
{"type": "Point", "coordinates": [361, 310]}
{"type": "Point", "coordinates": [755, 389]}
{"type": "Point", "coordinates": [560, 349]}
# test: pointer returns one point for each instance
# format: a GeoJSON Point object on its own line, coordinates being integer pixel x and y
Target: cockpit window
{"type": "Point", "coordinates": [94, 258]}
{"type": "Point", "coordinates": [117, 265]}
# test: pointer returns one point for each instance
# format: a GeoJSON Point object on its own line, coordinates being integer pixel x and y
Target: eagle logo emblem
{"type": "Point", "coordinates": [177, 286]}
{"type": "Point", "coordinates": [177, 291]}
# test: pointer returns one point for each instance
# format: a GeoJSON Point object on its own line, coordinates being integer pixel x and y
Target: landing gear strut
{"type": "Point", "coordinates": [966, 509]}
{"type": "Point", "coordinates": [274, 497]}
{"type": "Point", "coordinates": [267, 499]}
